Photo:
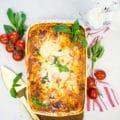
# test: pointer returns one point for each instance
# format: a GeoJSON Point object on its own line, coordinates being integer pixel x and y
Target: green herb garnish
{"type": "Point", "coordinates": [8, 28]}
{"type": "Point", "coordinates": [17, 20]}
{"type": "Point", "coordinates": [37, 50]}
{"type": "Point", "coordinates": [75, 32]}
{"type": "Point", "coordinates": [13, 92]}
{"type": "Point", "coordinates": [55, 59]}
{"type": "Point", "coordinates": [37, 103]}
{"type": "Point", "coordinates": [95, 52]}
{"type": "Point", "coordinates": [61, 68]}
{"type": "Point", "coordinates": [59, 50]}
{"type": "Point", "coordinates": [62, 28]}
{"type": "Point", "coordinates": [40, 63]}
{"type": "Point", "coordinates": [45, 78]}
{"type": "Point", "coordinates": [15, 81]}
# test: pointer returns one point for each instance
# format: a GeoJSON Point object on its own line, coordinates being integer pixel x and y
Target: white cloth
{"type": "Point", "coordinates": [108, 98]}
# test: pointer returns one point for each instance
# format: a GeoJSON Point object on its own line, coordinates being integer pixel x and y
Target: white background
{"type": "Point", "coordinates": [12, 109]}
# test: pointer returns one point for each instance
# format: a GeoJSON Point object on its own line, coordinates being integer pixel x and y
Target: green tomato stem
{"type": "Point", "coordinates": [92, 69]}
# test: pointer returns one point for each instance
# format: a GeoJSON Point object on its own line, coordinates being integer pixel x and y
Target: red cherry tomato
{"type": "Point", "coordinates": [90, 82]}
{"type": "Point", "coordinates": [9, 48]}
{"type": "Point", "coordinates": [20, 44]}
{"type": "Point", "coordinates": [4, 38]}
{"type": "Point", "coordinates": [18, 55]}
{"type": "Point", "coordinates": [100, 74]}
{"type": "Point", "coordinates": [13, 36]}
{"type": "Point", "coordinates": [93, 93]}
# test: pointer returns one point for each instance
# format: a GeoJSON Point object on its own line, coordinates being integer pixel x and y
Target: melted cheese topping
{"type": "Point", "coordinates": [56, 70]}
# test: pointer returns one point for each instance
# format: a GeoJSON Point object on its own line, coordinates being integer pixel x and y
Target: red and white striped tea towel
{"type": "Point", "coordinates": [94, 35]}
{"type": "Point", "coordinates": [108, 98]}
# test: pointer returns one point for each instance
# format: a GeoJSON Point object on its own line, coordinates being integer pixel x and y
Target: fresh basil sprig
{"type": "Point", "coordinates": [17, 20]}
{"type": "Point", "coordinates": [95, 52]}
{"type": "Point", "coordinates": [13, 90]}
{"type": "Point", "coordinates": [61, 68]}
{"type": "Point", "coordinates": [37, 103]}
{"type": "Point", "coordinates": [75, 32]}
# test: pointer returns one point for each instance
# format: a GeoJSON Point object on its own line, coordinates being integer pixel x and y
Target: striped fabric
{"type": "Point", "coordinates": [107, 98]}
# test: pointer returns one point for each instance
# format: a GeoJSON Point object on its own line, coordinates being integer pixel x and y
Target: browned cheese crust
{"type": "Point", "coordinates": [62, 91]}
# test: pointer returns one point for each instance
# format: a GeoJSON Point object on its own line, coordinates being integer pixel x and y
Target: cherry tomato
{"type": "Point", "coordinates": [100, 74]}
{"type": "Point", "coordinates": [4, 38]}
{"type": "Point", "coordinates": [9, 48]}
{"type": "Point", "coordinates": [18, 55]}
{"type": "Point", "coordinates": [13, 36]}
{"type": "Point", "coordinates": [93, 93]}
{"type": "Point", "coordinates": [90, 82]}
{"type": "Point", "coordinates": [20, 44]}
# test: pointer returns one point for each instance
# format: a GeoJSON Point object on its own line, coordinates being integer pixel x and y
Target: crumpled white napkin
{"type": "Point", "coordinates": [104, 12]}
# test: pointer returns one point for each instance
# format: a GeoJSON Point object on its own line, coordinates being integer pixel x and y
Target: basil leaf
{"type": "Point", "coordinates": [97, 50]}
{"type": "Point", "coordinates": [97, 45]}
{"type": "Point", "coordinates": [101, 52]}
{"type": "Point", "coordinates": [21, 32]}
{"type": "Point", "coordinates": [17, 19]}
{"type": "Point", "coordinates": [11, 16]}
{"type": "Point", "coordinates": [62, 68]}
{"type": "Point", "coordinates": [75, 36]}
{"type": "Point", "coordinates": [62, 28]}
{"type": "Point", "coordinates": [16, 79]}
{"type": "Point", "coordinates": [76, 26]}
{"type": "Point", "coordinates": [83, 41]}
{"type": "Point", "coordinates": [21, 27]}
{"type": "Point", "coordinates": [8, 28]}
{"type": "Point", "coordinates": [37, 103]}
{"type": "Point", "coordinates": [93, 50]}
{"type": "Point", "coordinates": [13, 92]}
{"type": "Point", "coordinates": [76, 33]}
{"type": "Point", "coordinates": [22, 20]}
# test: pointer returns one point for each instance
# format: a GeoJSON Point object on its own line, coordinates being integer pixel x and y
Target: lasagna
{"type": "Point", "coordinates": [56, 71]}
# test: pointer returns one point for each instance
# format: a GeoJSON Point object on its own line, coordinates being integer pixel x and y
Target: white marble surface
{"type": "Point", "coordinates": [12, 109]}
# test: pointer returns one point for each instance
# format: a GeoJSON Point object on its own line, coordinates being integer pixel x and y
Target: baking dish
{"type": "Point", "coordinates": [51, 92]}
